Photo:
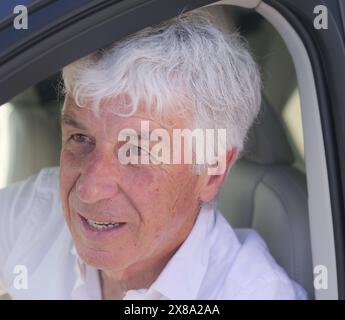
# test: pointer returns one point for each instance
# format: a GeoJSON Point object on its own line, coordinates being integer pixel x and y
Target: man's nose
{"type": "Point", "coordinates": [98, 179]}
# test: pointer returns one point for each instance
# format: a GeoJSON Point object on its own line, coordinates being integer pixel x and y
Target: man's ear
{"type": "Point", "coordinates": [214, 182]}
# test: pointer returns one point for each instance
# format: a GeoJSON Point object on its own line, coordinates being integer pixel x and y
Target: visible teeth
{"type": "Point", "coordinates": [102, 225]}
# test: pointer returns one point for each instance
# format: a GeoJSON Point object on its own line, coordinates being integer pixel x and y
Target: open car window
{"type": "Point", "coordinates": [283, 186]}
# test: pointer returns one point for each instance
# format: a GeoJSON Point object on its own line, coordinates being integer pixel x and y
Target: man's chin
{"type": "Point", "coordinates": [99, 259]}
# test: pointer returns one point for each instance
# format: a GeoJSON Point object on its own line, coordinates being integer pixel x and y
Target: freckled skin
{"type": "Point", "coordinates": [159, 203]}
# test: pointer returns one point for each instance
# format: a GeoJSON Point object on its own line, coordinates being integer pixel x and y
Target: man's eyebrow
{"type": "Point", "coordinates": [70, 121]}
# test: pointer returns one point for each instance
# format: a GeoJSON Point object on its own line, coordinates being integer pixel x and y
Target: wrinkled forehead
{"type": "Point", "coordinates": [115, 111]}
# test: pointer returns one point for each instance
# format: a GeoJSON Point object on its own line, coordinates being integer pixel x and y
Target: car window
{"type": "Point", "coordinates": [29, 122]}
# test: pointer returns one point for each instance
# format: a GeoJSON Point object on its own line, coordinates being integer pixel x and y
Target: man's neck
{"type": "Point", "coordinates": [115, 284]}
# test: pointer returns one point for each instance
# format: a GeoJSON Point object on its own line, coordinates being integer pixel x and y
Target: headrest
{"type": "Point", "coordinates": [267, 142]}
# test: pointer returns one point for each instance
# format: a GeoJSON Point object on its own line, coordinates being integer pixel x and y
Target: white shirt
{"type": "Point", "coordinates": [38, 259]}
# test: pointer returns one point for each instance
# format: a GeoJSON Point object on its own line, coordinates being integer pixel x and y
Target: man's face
{"type": "Point", "coordinates": [151, 207]}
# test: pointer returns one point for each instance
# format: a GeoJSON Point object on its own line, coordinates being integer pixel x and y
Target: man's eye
{"type": "Point", "coordinates": [139, 151]}
{"type": "Point", "coordinates": [143, 152]}
{"type": "Point", "coordinates": [81, 138]}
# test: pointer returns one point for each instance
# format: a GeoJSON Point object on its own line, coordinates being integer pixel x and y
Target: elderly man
{"type": "Point", "coordinates": [140, 222]}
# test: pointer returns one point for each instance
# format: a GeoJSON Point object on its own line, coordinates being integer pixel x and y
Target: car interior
{"type": "Point", "coordinates": [266, 189]}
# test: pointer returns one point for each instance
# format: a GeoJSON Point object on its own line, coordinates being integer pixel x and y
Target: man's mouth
{"type": "Point", "coordinates": [101, 225]}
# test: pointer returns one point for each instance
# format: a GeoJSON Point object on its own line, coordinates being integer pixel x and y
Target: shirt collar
{"type": "Point", "coordinates": [180, 279]}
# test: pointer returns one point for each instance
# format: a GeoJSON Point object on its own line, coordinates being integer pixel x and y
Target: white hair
{"type": "Point", "coordinates": [186, 64]}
